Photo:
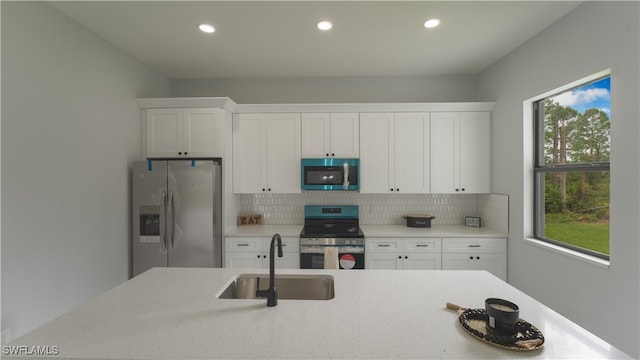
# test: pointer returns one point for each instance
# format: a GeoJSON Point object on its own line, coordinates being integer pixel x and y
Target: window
{"type": "Point", "coordinates": [571, 168]}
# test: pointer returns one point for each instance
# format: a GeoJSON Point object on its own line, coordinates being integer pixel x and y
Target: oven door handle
{"type": "Point", "coordinates": [351, 249]}
{"type": "Point", "coordinates": [312, 249]}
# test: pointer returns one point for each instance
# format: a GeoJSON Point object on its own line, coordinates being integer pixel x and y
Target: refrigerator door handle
{"type": "Point", "coordinates": [163, 222]}
{"type": "Point", "coordinates": [172, 223]}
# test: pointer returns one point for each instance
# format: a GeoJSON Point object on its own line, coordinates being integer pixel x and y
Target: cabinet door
{"type": "Point", "coordinates": [290, 252]}
{"type": "Point", "coordinates": [243, 244]}
{"type": "Point", "coordinates": [283, 153]}
{"type": "Point", "coordinates": [444, 153]}
{"type": "Point", "coordinates": [345, 135]}
{"type": "Point", "coordinates": [249, 153]}
{"type": "Point", "coordinates": [393, 245]}
{"type": "Point", "coordinates": [290, 244]}
{"type": "Point", "coordinates": [287, 261]}
{"type": "Point", "coordinates": [411, 153]}
{"type": "Point", "coordinates": [383, 261]}
{"type": "Point", "coordinates": [422, 245]}
{"type": "Point", "coordinates": [250, 260]}
{"type": "Point", "coordinates": [494, 263]}
{"type": "Point", "coordinates": [475, 152]}
{"type": "Point", "coordinates": [200, 128]}
{"type": "Point", "coordinates": [474, 245]}
{"type": "Point", "coordinates": [164, 132]}
{"type": "Point", "coordinates": [415, 261]}
{"type": "Point", "coordinates": [458, 262]}
{"type": "Point", "coordinates": [375, 146]}
{"type": "Point", "coordinates": [316, 134]}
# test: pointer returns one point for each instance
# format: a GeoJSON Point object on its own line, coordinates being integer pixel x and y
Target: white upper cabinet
{"type": "Point", "coordinates": [266, 153]}
{"type": "Point", "coordinates": [375, 162]}
{"type": "Point", "coordinates": [330, 135]}
{"type": "Point", "coordinates": [249, 153]}
{"type": "Point", "coordinates": [411, 153]}
{"type": "Point", "coordinates": [283, 153]}
{"type": "Point", "coordinates": [475, 152]}
{"type": "Point", "coordinates": [460, 152]}
{"type": "Point", "coordinates": [187, 133]}
{"type": "Point", "coordinates": [394, 152]}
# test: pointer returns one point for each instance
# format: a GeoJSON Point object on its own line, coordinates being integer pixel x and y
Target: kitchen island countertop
{"type": "Point", "coordinates": [173, 313]}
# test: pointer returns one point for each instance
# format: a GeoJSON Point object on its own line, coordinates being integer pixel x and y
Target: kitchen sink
{"type": "Point", "coordinates": [289, 287]}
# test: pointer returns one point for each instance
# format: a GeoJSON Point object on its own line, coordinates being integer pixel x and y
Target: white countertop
{"type": "Point", "coordinates": [434, 231]}
{"type": "Point", "coordinates": [173, 313]}
{"type": "Point", "coordinates": [264, 230]}
{"type": "Point", "coordinates": [373, 231]}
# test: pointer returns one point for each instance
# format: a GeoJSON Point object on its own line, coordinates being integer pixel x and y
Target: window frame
{"type": "Point", "coordinates": [540, 169]}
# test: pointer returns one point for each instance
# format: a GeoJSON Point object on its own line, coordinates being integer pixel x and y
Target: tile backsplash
{"type": "Point", "coordinates": [381, 209]}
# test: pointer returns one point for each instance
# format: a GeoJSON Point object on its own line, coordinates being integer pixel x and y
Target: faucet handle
{"type": "Point", "coordinates": [259, 293]}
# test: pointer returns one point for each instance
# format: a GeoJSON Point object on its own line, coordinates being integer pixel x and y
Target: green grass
{"type": "Point", "coordinates": [592, 236]}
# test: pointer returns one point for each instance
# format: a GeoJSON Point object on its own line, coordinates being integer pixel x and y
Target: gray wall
{"type": "Point", "coordinates": [333, 90]}
{"type": "Point", "coordinates": [593, 37]}
{"type": "Point", "coordinates": [70, 127]}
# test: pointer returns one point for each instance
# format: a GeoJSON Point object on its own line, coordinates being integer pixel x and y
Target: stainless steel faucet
{"type": "Point", "coordinates": [271, 294]}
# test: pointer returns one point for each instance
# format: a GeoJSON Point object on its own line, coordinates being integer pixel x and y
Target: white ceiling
{"type": "Point", "coordinates": [280, 39]}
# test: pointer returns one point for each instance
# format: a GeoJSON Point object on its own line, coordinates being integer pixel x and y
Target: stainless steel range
{"type": "Point", "coordinates": [334, 226]}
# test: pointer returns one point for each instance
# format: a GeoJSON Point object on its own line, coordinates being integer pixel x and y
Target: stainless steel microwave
{"type": "Point", "coordinates": [330, 174]}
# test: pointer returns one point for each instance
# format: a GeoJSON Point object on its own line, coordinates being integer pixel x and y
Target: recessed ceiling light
{"type": "Point", "coordinates": [325, 25]}
{"type": "Point", "coordinates": [432, 23]}
{"type": "Point", "coordinates": [206, 28]}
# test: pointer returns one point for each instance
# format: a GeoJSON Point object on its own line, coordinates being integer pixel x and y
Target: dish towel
{"type": "Point", "coordinates": [331, 258]}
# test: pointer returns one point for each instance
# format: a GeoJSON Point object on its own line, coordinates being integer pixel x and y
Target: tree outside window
{"type": "Point", "coordinates": [572, 168]}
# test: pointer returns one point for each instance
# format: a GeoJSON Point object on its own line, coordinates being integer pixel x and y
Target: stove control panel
{"type": "Point", "coordinates": [332, 241]}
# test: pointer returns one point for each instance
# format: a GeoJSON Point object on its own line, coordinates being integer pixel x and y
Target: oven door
{"type": "Point", "coordinates": [349, 257]}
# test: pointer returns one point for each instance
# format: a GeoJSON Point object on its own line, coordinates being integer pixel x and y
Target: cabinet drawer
{"type": "Point", "coordinates": [474, 245]}
{"type": "Point", "coordinates": [383, 245]}
{"type": "Point", "coordinates": [289, 244]}
{"type": "Point", "coordinates": [422, 245]}
{"type": "Point", "coordinates": [243, 244]}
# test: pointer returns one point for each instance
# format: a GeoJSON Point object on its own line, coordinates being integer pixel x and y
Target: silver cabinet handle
{"type": "Point", "coordinates": [242, 245]}
{"type": "Point", "coordinates": [383, 245]}
{"type": "Point", "coordinates": [423, 245]}
{"type": "Point", "coordinates": [475, 246]}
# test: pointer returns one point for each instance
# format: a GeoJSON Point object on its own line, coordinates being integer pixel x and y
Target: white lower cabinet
{"type": "Point", "coordinates": [403, 253]}
{"type": "Point", "coordinates": [407, 253]}
{"type": "Point", "coordinates": [253, 252]}
{"type": "Point", "coordinates": [475, 254]}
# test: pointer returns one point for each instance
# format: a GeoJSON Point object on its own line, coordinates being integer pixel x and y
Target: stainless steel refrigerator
{"type": "Point", "coordinates": [176, 208]}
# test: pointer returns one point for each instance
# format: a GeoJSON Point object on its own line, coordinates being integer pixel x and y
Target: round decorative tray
{"type": "Point", "coordinates": [474, 322]}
